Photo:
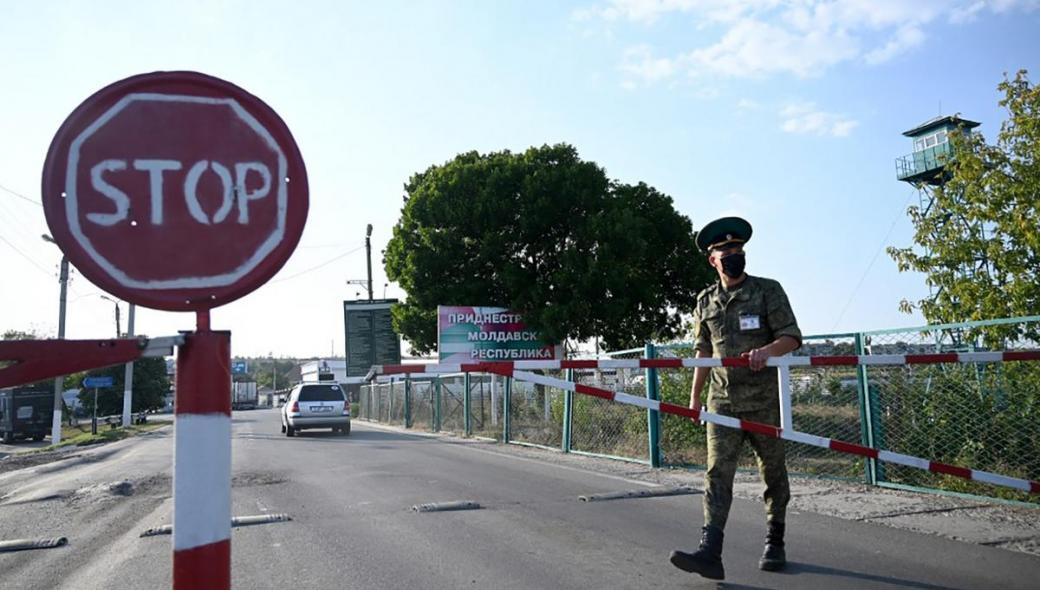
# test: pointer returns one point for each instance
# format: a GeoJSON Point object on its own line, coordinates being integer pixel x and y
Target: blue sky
{"type": "Point", "coordinates": [788, 113]}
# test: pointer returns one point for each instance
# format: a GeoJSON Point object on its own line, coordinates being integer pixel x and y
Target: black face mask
{"type": "Point", "coordinates": [733, 265]}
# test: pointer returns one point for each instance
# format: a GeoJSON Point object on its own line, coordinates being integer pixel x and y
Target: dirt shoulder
{"type": "Point", "coordinates": [74, 440]}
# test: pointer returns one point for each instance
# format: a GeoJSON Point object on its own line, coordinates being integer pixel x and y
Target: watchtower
{"type": "Point", "coordinates": [932, 151]}
{"type": "Point", "coordinates": [927, 169]}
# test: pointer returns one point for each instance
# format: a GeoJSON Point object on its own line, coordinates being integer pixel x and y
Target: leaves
{"type": "Point", "coordinates": [545, 234]}
{"type": "Point", "coordinates": [150, 386]}
{"type": "Point", "coordinates": [979, 242]}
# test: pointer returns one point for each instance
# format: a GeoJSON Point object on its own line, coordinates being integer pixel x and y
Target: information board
{"type": "Point", "coordinates": [370, 336]}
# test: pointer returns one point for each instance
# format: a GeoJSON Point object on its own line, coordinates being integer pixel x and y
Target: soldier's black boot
{"type": "Point", "coordinates": [774, 558]}
{"type": "Point", "coordinates": [707, 560]}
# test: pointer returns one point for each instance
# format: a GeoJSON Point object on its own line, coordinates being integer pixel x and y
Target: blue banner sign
{"type": "Point", "coordinates": [97, 382]}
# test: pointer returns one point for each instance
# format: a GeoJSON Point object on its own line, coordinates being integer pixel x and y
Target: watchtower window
{"type": "Point", "coordinates": [931, 140]}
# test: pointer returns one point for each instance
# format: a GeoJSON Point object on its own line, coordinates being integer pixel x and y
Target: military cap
{"type": "Point", "coordinates": [722, 231]}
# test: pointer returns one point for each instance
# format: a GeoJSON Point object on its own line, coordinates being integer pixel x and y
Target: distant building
{"type": "Point", "coordinates": [326, 370]}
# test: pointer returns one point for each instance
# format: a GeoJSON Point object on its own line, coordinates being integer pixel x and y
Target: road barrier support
{"type": "Point", "coordinates": [653, 417]}
{"type": "Point", "coordinates": [202, 461]}
{"type": "Point", "coordinates": [466, 406]}
{"type": "Point", "coordinates": [568, 414]}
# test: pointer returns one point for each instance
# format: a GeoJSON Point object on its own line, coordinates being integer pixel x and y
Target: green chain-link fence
{"type": "Point", "coordinates": [823, 402]}
{"type": "Point", "coordinates": [980, 415]}
{"type": "Point", "coordinates": [536, 413]}
{"type": "Point", "coordinates": [602, 427]}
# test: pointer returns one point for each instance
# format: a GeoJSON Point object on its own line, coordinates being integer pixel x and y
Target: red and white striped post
{"type": "Point", "coordinates": [202, 461]}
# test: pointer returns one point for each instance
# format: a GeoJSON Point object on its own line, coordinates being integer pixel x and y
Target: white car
{"type": "Point", "coordinates": [316, 405]}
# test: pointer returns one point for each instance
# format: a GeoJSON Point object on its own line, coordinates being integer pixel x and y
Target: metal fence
{"type": "Point", "coordinates": [980, 415]}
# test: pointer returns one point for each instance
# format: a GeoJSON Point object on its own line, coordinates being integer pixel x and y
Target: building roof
{"type": "Point", "coordinates": [941, 121]}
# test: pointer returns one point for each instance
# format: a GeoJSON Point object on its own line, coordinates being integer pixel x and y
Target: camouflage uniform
{"type": "Point", "coordinates": [726, 324]}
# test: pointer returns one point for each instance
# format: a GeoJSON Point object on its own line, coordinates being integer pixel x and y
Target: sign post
{"type": "Point", "coordinates": [95, 383]}
{"type": "Point", "coordinates": [181, 192]}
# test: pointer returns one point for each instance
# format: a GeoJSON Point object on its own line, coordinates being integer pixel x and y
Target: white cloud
{"type": "Point", "coordinates": [753, 48]}
{"type": "Point", "coordinates": [804, 38]}
{"type": "Point", "coordinates": [747, 104]}
{"type": "Point", "coordinates": [966, 14]}
{"type": "Point", "coordinates": [639, 64]}
{"type": "Point", "coordinates": [648, 12]}
{"type": "Point", "coordinates": [806, 119]}
{"type": "Point", "coordinates": [904, 39]}
{"type": "Point", "coordinates": [969, 11]}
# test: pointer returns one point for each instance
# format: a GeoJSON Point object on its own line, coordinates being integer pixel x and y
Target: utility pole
{"type": "Point", "coordinates": [59, 382]}
{"type": "Point", "coordinates": [368, 250]}
{"type": "Point", "coordinates": [128, 376]}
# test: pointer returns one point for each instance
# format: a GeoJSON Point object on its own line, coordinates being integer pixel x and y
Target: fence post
{"type": "Point", "coordinates": [653, 417]}
{"type": "Point", "coordinates": [407, 402]}
{"type": "Point", "coordinates": [866, 413]}
{"type": "Point", "coordinates": [387, 400]}
{"type": "Point", "coordinates": [437, 404]}
{"type": "Point", "coordinates": [568, 413]}
{"type": "Point", "coordinates": [784, 378]}
{"type": "Point", "coordinates": [466, 405]}
{"type": "Point", "coordinates": [507, 396]}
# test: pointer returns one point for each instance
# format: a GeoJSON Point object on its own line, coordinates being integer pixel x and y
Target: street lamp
{"type": "Point", "coordinates": [368, 251]}
{"type": "Point", "coordinates": [63, 281]}
{"type": "Point", "coordinates": [128, 375]}
{"type": "Point", "coordinates": [119, 330]}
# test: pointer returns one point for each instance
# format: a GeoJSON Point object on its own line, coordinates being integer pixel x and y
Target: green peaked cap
{"type": "Point", "coordinates": [723, 231]}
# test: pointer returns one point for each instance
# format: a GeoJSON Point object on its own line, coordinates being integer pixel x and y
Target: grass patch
{"type": "Point", "coordinates": [80, 435]}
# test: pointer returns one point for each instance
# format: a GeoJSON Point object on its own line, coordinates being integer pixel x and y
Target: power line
{"type": "Point", "coordinates": [20, 222]}
{"type": "Point", "coordinates": [881, 247]}
{"type": "Point", "coordinates": [323, 264]}
{"type": "Point", "coordinates": [20, 196]}
{"type": "Point", "coordinates": [23, 255]}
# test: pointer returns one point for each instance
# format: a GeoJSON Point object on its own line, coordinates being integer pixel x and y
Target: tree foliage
{"type": "Point", "coordinates": [150, 386]}
{"type": "Point", "coordinates": [546, 234]}
{"type": "Point", "coordinates": [979, 243]}
{"type": "Point", "coordinates": [19, 335]}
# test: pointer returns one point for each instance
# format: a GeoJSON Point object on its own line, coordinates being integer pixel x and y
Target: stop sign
{"type": "Point", "coordinates": [175, 190]}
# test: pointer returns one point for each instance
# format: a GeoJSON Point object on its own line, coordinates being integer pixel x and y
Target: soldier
{"type": "Point", "coordinates": [750, 317]}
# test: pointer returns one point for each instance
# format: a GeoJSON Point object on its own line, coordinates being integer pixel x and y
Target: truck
{"type": "Point", "coordinates": [244, 395]}
{"type": "Point", "coordinates": [25, 413]}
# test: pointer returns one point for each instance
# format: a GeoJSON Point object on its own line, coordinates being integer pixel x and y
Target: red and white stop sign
{"type": "Point", "coordinates": [175, 190]}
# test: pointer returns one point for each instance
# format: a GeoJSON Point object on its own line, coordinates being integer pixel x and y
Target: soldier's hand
{"type": "Point", "coordinates": [757, 358]}
{"type": "Point", "coordinates": [694, 406]}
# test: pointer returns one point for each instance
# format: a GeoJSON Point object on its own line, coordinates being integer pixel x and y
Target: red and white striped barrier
{"type": "Point", "coordinates": [680, 363]}
{"type": "Point", "coordinates": [513, 369]}
{"type": "Point", "coordinates": [202, 463]}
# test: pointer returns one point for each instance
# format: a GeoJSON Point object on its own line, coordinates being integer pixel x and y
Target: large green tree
{"type": "Point", "coordinates": [150, 385]}
{"type": "Point", "coordinates": [979, 242]}
{"type": "Point", "coordinates": [548, 235]}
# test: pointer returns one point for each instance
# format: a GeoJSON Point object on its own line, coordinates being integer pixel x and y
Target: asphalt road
{"type": "Point", "coordinates": [350, 499]}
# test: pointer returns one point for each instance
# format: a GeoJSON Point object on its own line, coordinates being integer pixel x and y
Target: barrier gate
{"type": "Point", "coordinates": [522, 371]}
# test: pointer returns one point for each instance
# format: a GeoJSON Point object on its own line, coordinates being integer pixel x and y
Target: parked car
{"type": "Point", "coordinates": [25, 413]}
{"type": "Point", "coordinates": [316, 405]}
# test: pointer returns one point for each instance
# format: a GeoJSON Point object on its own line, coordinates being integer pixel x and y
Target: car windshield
{"type": "Point", "coordinates": [321, 393]}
